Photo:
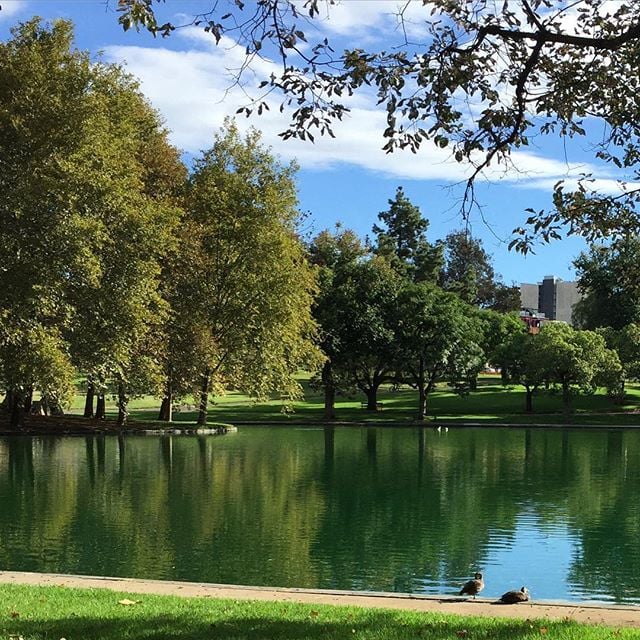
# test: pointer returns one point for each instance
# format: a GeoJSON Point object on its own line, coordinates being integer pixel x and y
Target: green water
{"type": "Point", "coordinates": [403, 510]}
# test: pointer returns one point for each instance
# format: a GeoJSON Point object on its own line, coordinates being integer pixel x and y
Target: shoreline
{"type": "Point", "coordinates": [611, 615]}
{"type": "Point", "coordinates": [77, 426]}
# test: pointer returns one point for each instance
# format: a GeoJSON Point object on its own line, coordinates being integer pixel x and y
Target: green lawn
{"type": "Point", "coordinates": [490, 403]}
{"type": "Point", "coordinates": [45, 613]}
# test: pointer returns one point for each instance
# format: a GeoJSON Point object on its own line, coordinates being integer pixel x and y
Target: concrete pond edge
{"type": "Point", "coordinates": [585, 612]}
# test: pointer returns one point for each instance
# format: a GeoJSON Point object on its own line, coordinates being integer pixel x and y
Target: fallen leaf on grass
{"type": "Point", "coordinates": [14, 614]}
{"type": "Point", "coordinates": [128, 603]}
{"type": "Point", "coordinates": [463, 633]}
{"type": "Point", "coordinates": [314, 614]}
{"type": "Point", "coordinates": [544, 630]}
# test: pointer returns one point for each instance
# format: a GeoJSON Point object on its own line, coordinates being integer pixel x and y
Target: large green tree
{"type": "Point", "coordinates": [497, 331]}
{"type": "Point", "coordinates": [402, 240]}
{"type": "Point", "coordinates": [244, 288]}
{"type": "Point", "coordinates": [438, 338]}
{"type": "Point", "coordinates": [626, 343]}
{"type": "Point", "coordinates": [468, 271]}
{"type": "Point", "coordinates": [575, 359]}
{"type": "Point", "coordinates": [86, 218]}
{"type": "Point", "coordinates": [335, 255]}
{"type": "Point", "coordinates": [43, 111]}
{"type": "Point", "coordinates": [522, 363]}
{"type": "Point", "coordinates": [365, 301]}
{"type": "Point", "coordinates": [70, 185]}
{"type": "Point", "coordinates": [526, 67]}
{"type": "Point", "coordinates": [609, 277]}
{"type": "Point", "coordinates": [133, 216]}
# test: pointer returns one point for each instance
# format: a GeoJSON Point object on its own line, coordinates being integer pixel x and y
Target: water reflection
{"type": "Point", "coordinates": [382, 509]}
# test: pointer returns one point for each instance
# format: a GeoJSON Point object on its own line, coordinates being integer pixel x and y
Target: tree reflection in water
{"type": "Point", "coordinates": [373, 508]}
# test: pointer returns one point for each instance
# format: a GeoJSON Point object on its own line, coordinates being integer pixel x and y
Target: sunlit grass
{"type": "Point", "coordinates": [491, 403]}
{"type": "Point", "coordinates": [39, 613]}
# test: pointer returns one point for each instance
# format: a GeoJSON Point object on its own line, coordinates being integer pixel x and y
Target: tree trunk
{"type": "Point", "coordinates": [566, 398]}
{"type": "Point", "coordinates": [100, 407]}
{"type": "Point", "coordinates": [372, 398]}
{"type": "Point", "coordinates": [88, 402]}
{"type": "Point", "coordinates": [528, 400]}
{"type": "Point", "coordinates": [17, 410]}
{"type": "Point", "coordinates": [53, 407]}
{"type": "Point", "coordinates": [422, 401]}
{"type": "Point", "coordinates": [204, 398]}
{"type": "Point", "coordinates": [166, 408]}
{"type": "Point", "coordinates": [123, 401]}
{"type": "Point", "coordinates": [329, 402]}
{"type": "Point", "coordinates": [422, 392]}
{"type": "Point", "coordinates": [28, 400]}
{"type": "Point", "coordinates": [329, 392]}
{"type": "Point", "coordinates": [7, 403]}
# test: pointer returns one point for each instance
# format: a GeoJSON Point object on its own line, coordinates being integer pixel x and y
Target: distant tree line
{"type": "Point", "coordinates": [405, 311]}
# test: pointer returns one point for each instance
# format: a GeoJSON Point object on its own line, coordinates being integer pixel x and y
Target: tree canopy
{"type": "Point", "coordinates": [438, 339]}
{"type": "Point", "coordinates": [574, 359]}
{"type": "Point", "coordinates": [83, 216]}
{"type": "Point", "coordinates": [609, 278]}
{"type": "Point", "coordinates": [482, 80]}
{"type": "Point", "coordinates": [336, 256]}
{"type": "Point", "coordinates": [244, 288]}
{"type": "Point", "coordinates": [402, 240]}
{"type": "Point", "coordinates": [117, 263]}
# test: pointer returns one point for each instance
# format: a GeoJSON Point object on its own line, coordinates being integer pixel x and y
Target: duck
{"type": "Point", "coordinates": [513, 597]}
{"type": "Point", "coordinates": [473, 587]}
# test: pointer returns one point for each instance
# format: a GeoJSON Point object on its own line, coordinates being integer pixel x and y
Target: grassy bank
{"type": "Point", "coordinates": [490, 403]}
{"type": "Point", "coordinates": [39, 613]}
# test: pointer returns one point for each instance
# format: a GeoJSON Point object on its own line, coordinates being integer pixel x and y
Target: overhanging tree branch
{"type": "Point", "coordinates": [523, 67]}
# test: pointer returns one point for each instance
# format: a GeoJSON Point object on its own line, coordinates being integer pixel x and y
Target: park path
{"type": "Point", "coordinates": [611, 615]}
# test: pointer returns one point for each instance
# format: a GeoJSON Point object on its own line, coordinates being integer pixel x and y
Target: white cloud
{"type": "Point", "coordinates": [11, 8]}
{"type": "Point", "coordinates": [569, 19]}
{"type": "Point", "coordinates": [349, 18]}
{"type": "Point", "coordinates": [194, 91]}
{"type": "Point", "coordinates": [372, 20]}
{"type": "Point", "coordinates": [604, 186]}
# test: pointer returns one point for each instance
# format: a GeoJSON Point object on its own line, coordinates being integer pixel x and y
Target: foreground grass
{"type": "Point", "coordinates": [39, 613]}
{"type": "Point", "coordinates": [490, 403]}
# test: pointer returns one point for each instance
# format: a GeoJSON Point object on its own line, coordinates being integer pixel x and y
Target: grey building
{"type": "Point", "coordinates": [529, 296]}
{"type": "Point", "coordinates": [554, 298]}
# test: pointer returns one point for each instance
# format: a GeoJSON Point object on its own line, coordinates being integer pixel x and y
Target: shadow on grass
{"type": "Point", "coordinates": [490, 403]}
{"type": "Point", "coordinates": [375, 625]}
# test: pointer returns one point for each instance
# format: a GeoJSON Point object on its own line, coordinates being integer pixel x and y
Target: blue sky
{"type": "Point", "coordinates": [349, 179]}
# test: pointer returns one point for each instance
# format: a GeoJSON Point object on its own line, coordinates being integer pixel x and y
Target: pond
{"type": "Point", "coordinates": [401, 510]}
